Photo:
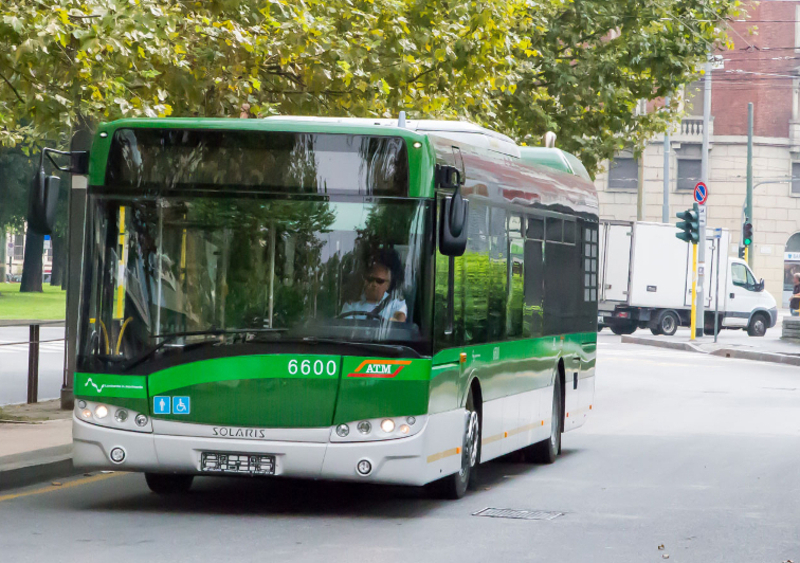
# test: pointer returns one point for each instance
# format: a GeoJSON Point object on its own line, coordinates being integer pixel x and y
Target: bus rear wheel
{"type": "Point", "coordinates": [455, 486]}
{"type": "Point", "coordinates": [546, 451]}
{"type": "Point", "coordinates": [168, 483]}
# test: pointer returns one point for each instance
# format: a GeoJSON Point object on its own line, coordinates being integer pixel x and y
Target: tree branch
{"type": "Point", "coordinates": [3, 76]}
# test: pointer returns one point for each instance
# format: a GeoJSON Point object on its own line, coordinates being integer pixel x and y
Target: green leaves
{"type": "Point", "coordinates": [523, 67]}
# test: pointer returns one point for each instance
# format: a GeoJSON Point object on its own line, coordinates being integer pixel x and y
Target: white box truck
{"type": "Point", "coordinates": [646, 282]}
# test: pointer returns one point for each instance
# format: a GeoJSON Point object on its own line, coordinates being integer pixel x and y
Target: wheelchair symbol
{"type": "Point", "coordinates": [181, 405]}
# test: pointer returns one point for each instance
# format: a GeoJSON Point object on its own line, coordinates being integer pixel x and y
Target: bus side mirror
{"type": "Point", "coordinates": [42, 202]}
{"type": "Point", "coordinates": [760, 285]}
{"type": "Point", "coordinates": [453, 225]}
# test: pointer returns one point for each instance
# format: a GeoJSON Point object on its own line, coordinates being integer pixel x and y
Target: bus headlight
{"type": "Point", "coordinates": [374, 429]}
{"type": "Point", "coordinates": [110, 416]}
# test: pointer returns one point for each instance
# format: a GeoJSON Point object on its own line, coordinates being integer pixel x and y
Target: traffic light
{"type": "Point", "coordinates": [741, 252]}
{"type": "Point", "coordinates": [689, 227]}
{"type": "Point", "coordinates": [747, 233]}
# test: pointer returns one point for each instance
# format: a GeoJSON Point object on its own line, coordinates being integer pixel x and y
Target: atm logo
{"type": "Point", "coordinates": [385, 369]}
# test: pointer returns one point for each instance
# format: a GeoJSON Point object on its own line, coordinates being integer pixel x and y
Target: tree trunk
{"type": "Point", "coordinates": [32, 263]}
{"type": "Point", "coordinates": [59, 255]}
{"type": "Point", "coordinates": [2, 255]}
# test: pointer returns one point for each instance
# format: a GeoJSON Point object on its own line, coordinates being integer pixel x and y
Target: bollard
{"type": "Point", "coordinates": [33, 364]}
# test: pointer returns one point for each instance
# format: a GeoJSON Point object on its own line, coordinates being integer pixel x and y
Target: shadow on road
{"type": "Point", "coordinates": [246, 496]}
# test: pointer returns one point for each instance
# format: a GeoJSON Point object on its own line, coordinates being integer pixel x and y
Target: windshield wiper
{"type": "Point", "coordinates": [396, 349]}
{"type": "Point", "coordinates": [170, 337]}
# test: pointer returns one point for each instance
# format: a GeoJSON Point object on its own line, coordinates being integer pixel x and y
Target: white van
{"type": "Point", "coordinates": [645, 281]}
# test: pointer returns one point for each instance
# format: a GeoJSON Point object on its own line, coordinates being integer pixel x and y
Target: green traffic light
{"type": "Point", "coordinates": [747, 233]}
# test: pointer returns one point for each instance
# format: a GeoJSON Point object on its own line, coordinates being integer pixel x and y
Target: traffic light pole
{"type": "Point", "coordinates": [748, 206]}
{"type": "Point", "coordinates": [701, 258]}
{"type": "Point", "coordinates": [694, 293]}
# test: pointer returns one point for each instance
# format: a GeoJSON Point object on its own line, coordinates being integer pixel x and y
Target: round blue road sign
{"type": "Point", "coordinates": [700, 193]}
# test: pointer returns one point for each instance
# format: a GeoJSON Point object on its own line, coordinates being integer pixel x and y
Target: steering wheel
{"type": "Point", "coordinates": [367, 314]}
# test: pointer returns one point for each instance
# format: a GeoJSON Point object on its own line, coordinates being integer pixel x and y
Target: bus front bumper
{"type": "Point", "coordinates": [406, 461]}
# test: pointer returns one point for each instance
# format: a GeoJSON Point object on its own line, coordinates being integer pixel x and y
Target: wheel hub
{"type": "Point", "coordinates": [470, 457]}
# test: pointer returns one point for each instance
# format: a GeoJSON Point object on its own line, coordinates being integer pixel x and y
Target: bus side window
{"type": "Point", "coordinates": [534, 276]}
{"type": "Point", "coordinates": [442, 317]}
{"type": "Point", "coordinates": [516, 272]}
{"type": "Point", "coordinates": [498, 274]}
{"type": "Point", "coordinates": [562, 277]}
{"type": "Point", "coordinates": [476, 276]}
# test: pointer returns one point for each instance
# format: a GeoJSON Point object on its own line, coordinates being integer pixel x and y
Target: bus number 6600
{"type": "Point", "coordinates": [317, 367]}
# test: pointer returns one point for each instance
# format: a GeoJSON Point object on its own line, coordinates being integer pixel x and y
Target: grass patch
{"type": "Point", "coordinates": [47, 306]}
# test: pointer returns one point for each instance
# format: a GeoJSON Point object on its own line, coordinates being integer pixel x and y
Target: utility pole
{"type": "Point", "coordinates": [748, 205]}
{"type": "Point", "coordinates": [701, 251]}
{"type": "Point", "coordinates": [640, 190]}
{"type": "Point", "coordinates": [665, 203]}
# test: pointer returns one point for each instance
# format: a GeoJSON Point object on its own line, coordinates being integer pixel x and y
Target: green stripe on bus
{"type": "Point", "coordinates": [281, 366]}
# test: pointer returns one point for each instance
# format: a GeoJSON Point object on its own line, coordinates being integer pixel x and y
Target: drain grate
{"type": "Point", "coordinates": [518, 514]}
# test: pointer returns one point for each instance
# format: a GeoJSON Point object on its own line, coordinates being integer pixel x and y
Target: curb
{"type": "Point", "coordinates": [757, 356]}
{"type": "Point", "coordinates": [722, 352]}
{"type": "Point", "coordinates": [34, 467]}
{"type": "Point", "coordinates": [686, 346]}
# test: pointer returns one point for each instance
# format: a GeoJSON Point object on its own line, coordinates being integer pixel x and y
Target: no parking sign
{"type": "Point", "coordinates": [700, 193]}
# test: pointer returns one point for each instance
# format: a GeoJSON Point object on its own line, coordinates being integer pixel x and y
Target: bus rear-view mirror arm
{"type": "Point", "coordinates": [43, 195]}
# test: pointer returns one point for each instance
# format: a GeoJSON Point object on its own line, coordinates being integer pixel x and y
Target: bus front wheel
{"type": "Point", "coordinates": [455, 486]}
{"type": "Point", "coordinates": [167, 483]}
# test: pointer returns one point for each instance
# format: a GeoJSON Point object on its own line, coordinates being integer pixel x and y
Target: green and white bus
{"type": "Point", "coordinates": [349, 299]}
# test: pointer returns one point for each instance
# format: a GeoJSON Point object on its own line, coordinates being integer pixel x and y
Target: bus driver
{"type": "Point", "coordinates": [378, 295]}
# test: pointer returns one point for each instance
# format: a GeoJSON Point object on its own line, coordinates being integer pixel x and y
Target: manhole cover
{"type": "Point", "coordinates": [518, 514]}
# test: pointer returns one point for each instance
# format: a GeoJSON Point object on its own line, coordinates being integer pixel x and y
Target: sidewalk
{"type": "Point", "coordinates": [730, 344]}
{"type": "Point", "coordinates": [35, 443]}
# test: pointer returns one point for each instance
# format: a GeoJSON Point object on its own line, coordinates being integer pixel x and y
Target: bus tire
{"type": "Point", "coordinates": [454, 487]}
{"type": "Point", "coordinates": [547, 451]}
{"type": "Point", "coordinates": [168, 483]}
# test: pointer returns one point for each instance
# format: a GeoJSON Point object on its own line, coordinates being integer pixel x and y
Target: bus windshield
{"type": "Point", "coordinates": [168, 273]}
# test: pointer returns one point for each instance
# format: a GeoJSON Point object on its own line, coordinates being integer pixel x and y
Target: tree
{"type": "Point", "coordinates": [578, 67]}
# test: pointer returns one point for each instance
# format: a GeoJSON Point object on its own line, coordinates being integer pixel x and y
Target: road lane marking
{"type": "Point", "coordinates": [67, 485]}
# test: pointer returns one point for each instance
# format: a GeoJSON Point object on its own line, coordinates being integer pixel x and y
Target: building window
{"type": "Point", "coordinates": [796, 177]}
{"type": "Point", "coordinates": [693, 98]}
{"type": "Point", "coordinates": [19, 247]}
{"type": "Point", "coordinates": [623, 174]}
{"type": "Point", "coordinates": [689, 171]}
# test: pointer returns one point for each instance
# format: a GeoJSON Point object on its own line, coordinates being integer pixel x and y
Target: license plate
{"type": "Point", "coordinates": [247, 464]}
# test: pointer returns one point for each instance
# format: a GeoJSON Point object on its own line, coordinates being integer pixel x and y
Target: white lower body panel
{"type": "Point", "coordinates": [419, 459]}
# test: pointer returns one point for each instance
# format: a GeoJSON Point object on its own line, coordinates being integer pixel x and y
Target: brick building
{"type": "Point", "coordinates": [763, 68]}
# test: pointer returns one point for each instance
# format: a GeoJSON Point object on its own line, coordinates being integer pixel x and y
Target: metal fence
{"type": "Point", "coordinates": [34, 341]}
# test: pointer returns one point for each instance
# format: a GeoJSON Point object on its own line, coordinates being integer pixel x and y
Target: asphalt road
{"type": "Point", "coordinates": [694, 453]}
{"type": "Point", "coordinates": [14, 364]}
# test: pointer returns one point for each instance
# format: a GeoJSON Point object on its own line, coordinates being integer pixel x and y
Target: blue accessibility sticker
{"type": "Point", "coordinates": [161, 405]}
{"type": "Point", "coordinates": [181, 405]}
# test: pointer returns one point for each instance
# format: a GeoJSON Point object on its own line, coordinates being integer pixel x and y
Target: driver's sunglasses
{"type": "Point", "coordinates": [375, 280]}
